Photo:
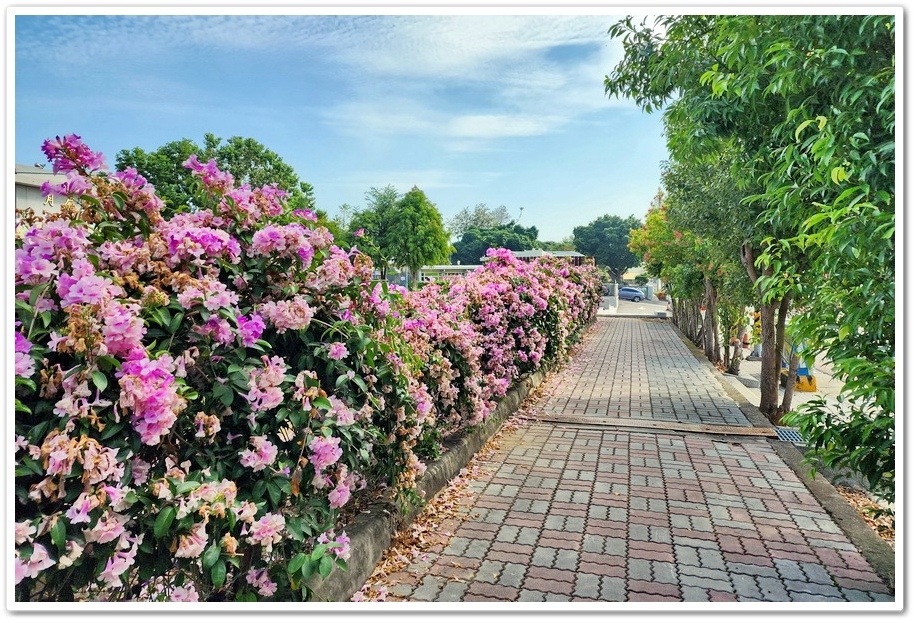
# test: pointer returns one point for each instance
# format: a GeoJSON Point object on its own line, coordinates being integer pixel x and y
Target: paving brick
{"type": "Point", "coordinates": [452, 591]}
{"type": "Point", "coordinates": [489, 571]}
{"type": "Point", "coordinates": [588, 585]}
{"type": "Point", "coordinates": [822, 590]}
{"type": "Point", "coordinates": [492, 591]}
{"type": "Point", "coordinates": [548, 586]}
{"type": "Point", "coordinates": [653, 588]}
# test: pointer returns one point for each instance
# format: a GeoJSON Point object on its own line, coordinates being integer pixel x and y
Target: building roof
{"type": "Point", "coordinates": [29, 175]}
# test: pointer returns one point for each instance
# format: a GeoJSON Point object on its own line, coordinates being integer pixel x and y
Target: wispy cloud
{"type": "Point", "coordinates": [394, 67]}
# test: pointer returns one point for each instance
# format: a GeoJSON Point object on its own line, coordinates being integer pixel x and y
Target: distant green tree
{"type": "Point", "coordinates": [246, 159]}
{"type": "Point", "coordinates": [475, 241]}
{"type": "Point", "coordinates": [479, 217]}
{"type": "Point", "coordinates": [606, 239]}
{"type": "Point", "coordinates": [368, 228]}
{"type": "Point", "coordinates": [415, 235]}
{"type": "Point", "coordinates": [566, 244]}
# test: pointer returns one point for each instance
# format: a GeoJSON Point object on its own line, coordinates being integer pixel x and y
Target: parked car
{"type": "Point", "coordinates": [631, 294]}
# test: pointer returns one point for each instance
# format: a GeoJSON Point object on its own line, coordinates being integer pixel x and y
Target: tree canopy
{"type": "Point", "coordinates": [475, 241]}
{"type": "Point", "coordinates": [246, 159]}
{"type": "Point", "coordinates": [607, 240]}
{"type": "Point", "coordinates": [807, 102]}
{"type": "Point", "coordinates": [415, 234]}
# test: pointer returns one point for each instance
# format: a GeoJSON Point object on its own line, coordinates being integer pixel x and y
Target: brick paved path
{"type": "Point", "coordinates": [578, 513]}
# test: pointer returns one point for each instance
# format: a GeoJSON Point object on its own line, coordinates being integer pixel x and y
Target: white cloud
{"type": "Point", "coordinates": [390, 70]}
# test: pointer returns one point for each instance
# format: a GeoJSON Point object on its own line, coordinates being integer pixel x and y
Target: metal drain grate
{"type": "Point", "coordinates": [789, 434]}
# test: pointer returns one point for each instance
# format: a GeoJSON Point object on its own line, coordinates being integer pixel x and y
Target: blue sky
{"type": "Point", "coordinates": [496, 109]}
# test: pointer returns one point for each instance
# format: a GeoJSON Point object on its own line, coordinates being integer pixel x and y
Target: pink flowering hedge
{"type": "Point", "coordinates": [200, 399]}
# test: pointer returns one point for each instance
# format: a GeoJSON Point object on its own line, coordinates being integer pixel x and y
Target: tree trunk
{"type": "Point", "coordinates": [711, 344]}
{"type": "Point", "coordinates": [772, 337]}
{"type": "Point", "coordinates": [770, 362]}
{"type": "Point", "coordinates": [789, 391]}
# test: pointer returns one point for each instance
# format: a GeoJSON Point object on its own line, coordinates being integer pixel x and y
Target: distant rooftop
{"type": "Point", "coordinates": [530, 253]}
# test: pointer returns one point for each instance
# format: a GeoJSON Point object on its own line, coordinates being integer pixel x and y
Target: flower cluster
{"type": "Point", "coordinates": [199, 396]}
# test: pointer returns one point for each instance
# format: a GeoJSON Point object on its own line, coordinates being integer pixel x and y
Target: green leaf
{"type": "Point", "coordinates": [325, 566]}
{"type": "Point", "coordinates": [211, 556]}
{"type": "Point", "coordinates": [224, 393]}
{"type": "Point", "coordinates": [218, 573]}
{"type": "Point", "coordinates": [175, 323]}
{"type": "Point", "coordinates": [164, 521]}
{"type": "Point", "coordinates": [59, 535]}
{"type": "Point", "coordinates": [99, 380]}
{"type": "Point", "coordinates": [319, 551]}
{"type": "Point", "coordinates": [187, 485]}
{"type": "Point", "coordinates": [296, 563]}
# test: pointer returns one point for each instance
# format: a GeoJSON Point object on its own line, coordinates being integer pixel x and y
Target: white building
{"type": "Point", "coordinates": [28, 188]}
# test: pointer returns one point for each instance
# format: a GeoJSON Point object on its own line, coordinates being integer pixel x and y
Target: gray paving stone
{"type": "Point", "coordinates": [815, 572]}
{"type": "Point", "coordinates": [527, 595]}
{"type": "Point", "coordinates": [613, 589]}
{"type": "Point", "coordinates": [567, 559]}
{"type": "Point", "coordinates": [664, 572]}
{"type": "Point", "coordinates": [513, 575]}
{"type": "Point", "coordinates": [746, 586]}
{"type": "Point", "coordinates": [452, 591]}
{"type": "Point", "coordinates": [544, 557]}
{"type": "Point", "coordinates": [638, 569]}
{"type": "Point", "coordinates": [489, 571]}
{"type": "Point", "coordinates": [588, 585]}
{"type": "Point", "coordinates": [428, 589]}
{"type": "Point", "coordinates": [789, 570]}
{"type": "Point", "coordinates": [694, 593]}
{"type": "Point", "coordinates": [752, 570]}
{"type": "Point", "coordinates": [456, 546]}
{"type": "Point", "coordinates": [476, 548]}
{"type": "Point", "coordinates": [772, 589]}
{"type": "Point", "coordinates": [800, 586]}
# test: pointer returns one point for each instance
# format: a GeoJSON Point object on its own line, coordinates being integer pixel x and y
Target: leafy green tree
{"type": "Point", "coordinates": [606, 239]}
{"type": "Point", "coordinates": [566, 244]}
{"type": "Point", "coordinates": [475, 241]}
{"type": "Point", "coordinates": [246, 159]}
{"type": "Point", "coordinates": [478, 217]}
{"type": "Point", "coordinates": [415, 235]}
{"type": "Point", "coordinates": [369, 228]}
{"type": "Point", "coordinates": [810, 102]}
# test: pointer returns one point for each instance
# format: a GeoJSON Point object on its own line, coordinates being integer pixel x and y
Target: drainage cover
{"type": "Point", "coordinates": [790, 434]}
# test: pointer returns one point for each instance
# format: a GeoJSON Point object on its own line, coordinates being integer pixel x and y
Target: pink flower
{"type": "Point", "coordinates": [261, 456]}
{"type": "Point", "coordinates": [250, 329]}
{"type": "Point", "coordinates": [341, 549]}
{"type": "Point", "coordinates": [75, 186]}
{"type": "Point", "coordinates": [293, 314]}
{"type": "Point", "coordinates": [184, 594]}
{"type": "Point", "coordinates": [116, 566]}
{"type": "Point", "coordinates": [124, 329]}
{"type": "Point", "coordinates": [325, 452]}
{"type": "Point", "coordinates": [24, 364]}
{"type": "Point", "coordinates": [337, 350]}
{"type": "Point", "coordinates": [70, 153]}
{"type": "Point", "coordinates": [31, 567]}
{"type": "Point", "coordinates": [149, 391]}
{"type": "Point", "coordinates": [267, 531]}
{"type": "Point", "coordinates": [259, 579]}
{"type": "Point", "coordinates": [339, 495]}
{"type": "Point", "coordinates": [210, 175]}
{"type": "Point", "coordinates": [109, 527]}
{"type": "Point", "coordinates": [264, 384]}
{"type": "Point", "coordinates": [192, 545]}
